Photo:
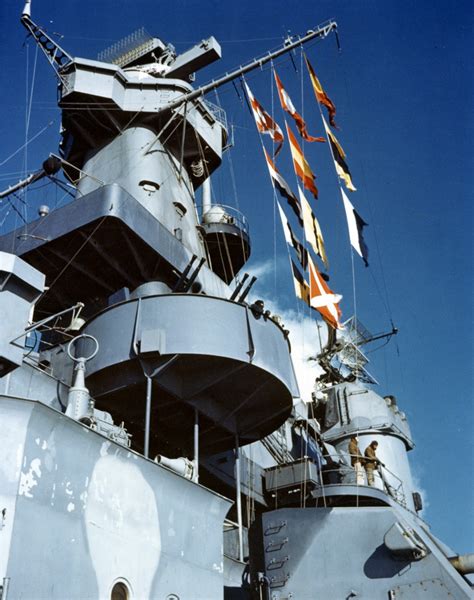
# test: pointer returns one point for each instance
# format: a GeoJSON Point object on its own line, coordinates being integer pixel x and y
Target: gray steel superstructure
{"type": "Point", "coordinates": [154, 442]}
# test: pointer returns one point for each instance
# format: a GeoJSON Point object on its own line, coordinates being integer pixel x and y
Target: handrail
{"type": "Point", "coordinates": [236, 217]}
{"type": "Point", "coordinates": [392, 484]}
{"type": "Point", "coordinates": [216, 111]}
{"type": "Point", "coordinates": [380, 425]}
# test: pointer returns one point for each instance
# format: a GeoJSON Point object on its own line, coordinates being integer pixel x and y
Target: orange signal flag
{"type": "Point", "coordinates": [321, 95]}
{"type": "Point", "coordinates": [265, 123]}
{"type": "Point", "coordinates": [324, 300]}
{"type": "Point", "coordinates": [289, 107]}
{"type": "Point", "coordinates": [300, 164]}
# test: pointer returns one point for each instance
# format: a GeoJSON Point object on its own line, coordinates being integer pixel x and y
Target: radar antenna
{"type": "Point", "coordinates": [346, 349]}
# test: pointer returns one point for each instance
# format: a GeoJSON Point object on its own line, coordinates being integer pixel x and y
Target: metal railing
{"type": "Point", "coordinates": [275, 444]}
{"type": "Point", "coordinates": [343, 474]}
{"type": "Point", "coordinates": [227, 216]}
{"type": "Point", "coordinates": [217, 112]}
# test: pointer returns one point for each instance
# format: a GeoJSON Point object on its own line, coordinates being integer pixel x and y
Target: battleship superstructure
{"type": "Point", "coordinates": [157, 402]}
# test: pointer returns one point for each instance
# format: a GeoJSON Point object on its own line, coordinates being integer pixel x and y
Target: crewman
{"type": "Point", "coordinates": [371, 461]}
{"type": "Point", "coordinates": [357, 460]}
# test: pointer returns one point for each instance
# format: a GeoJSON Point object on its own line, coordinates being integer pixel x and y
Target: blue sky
{"type": "Point", "coordinates": [403, 91]}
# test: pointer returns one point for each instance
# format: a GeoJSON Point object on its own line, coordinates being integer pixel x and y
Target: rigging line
{"type": "Point", "coordinates": [64, 161]}
{"type": "Point", "coordinates": [16, 210]}
{"type": "Point", "coordinates": [274, 190]}
{"type": "Point", "coordinates": [386, 301]}
{"type": "Point", "coordinates": [29, 105]}
{"type": "Point", "coordinates": [232, 175]}
{"type": "Point", "coordinates": [338, 181]}
{"type": "Point", "coordinates": [25, 144]}
{"type": "Point", "coordinates": [231, 165]}
{"type": "Point", "coordinates": [18, 197]}
{"type": "Point", "coordinates": [260, 62]}
{"type": "Point", "coordinates": [10, 175]}
{"type": "Point", "coordinates": [38, 187]}
{"type": "Point", "coordinates": [174, 173]}
{"type": "Point", "coordinates": [25, 154]}
{"type": "Point", "coordinates": [382, 297]}
{"type": "Point", "coordinates": [354, 295]}
{"type": "Point", "coordinates": [163, 142]}
{"type": "Point", "coordinates": [302, 85]}
{"type": "Point", "coordinates": [379, 347]}
{"type": "Point", "coordinates": [306, 470]}
{"type": "Point", "coordinates": [274, 194]}
{"type": "Point", "coordinates": [233, 181]}
{"type": "Point", "coordinates": [318, 326]}
{"type": "Point", "coordinates": [308, 310]}
{"type": "Point", "coordinates": [377, 247]}
{"type": "Point", "coordinates": [158, 135]}
{"type": "Point", "coordinates": [226, 246]}
{"type": "Point", "coordinates": [139, 111]}
{"type": "Point", "coordinates": [183, 140]}
{"type": "Point", "coordinates": [42, 220]}
{"type": "Point", "coordinates": [224, 267]}
{"type": "Point", "coordinates": [33, 80]}
{"type": "Point", "coordinates": [63, 186]}
{"type": "Point", "coordinates": [26, 105]}
{"type": "Point", "coordinates": [5, 207]}
{"type": "Point", "coordinates": [76, 106]}
{"type": "Point", "coordinates": [71, 260]}
{"type": "Point", "coordinates": [301, 320]}
{"type": "Point", "coordinates": [7, 212]}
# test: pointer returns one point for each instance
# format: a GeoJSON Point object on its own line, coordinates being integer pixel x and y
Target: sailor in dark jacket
{"type": "Point", "coordinates": [357, 460]}
{"type": "Point", "coordinates": [371, 461]}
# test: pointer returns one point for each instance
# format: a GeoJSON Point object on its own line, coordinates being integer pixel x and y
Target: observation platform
{"type": "Point", "coordinates": [202, 353]}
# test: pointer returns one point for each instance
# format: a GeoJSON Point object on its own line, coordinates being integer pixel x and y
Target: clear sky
{"type": "Point", "coordinates": [402, 86]}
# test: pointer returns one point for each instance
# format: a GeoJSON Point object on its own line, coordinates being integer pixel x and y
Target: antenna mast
{"type": "Point", "coordinates": [57, 57]}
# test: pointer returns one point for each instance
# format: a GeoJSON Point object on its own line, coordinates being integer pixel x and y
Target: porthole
{"type": "Point", "coordinates": [149, 186]}
{"type": "Point", "coordinates": [120, 591]}
{"type": "Point", "coordinates": [180, 209]}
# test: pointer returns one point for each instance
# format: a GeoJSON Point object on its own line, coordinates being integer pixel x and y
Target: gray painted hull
{"type": "Point", "coordinates": [82, 512]}
{"type": "Point", "coordinates": [312, 553]}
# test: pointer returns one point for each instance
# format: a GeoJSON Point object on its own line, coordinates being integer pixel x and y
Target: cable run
{"type": "Point", "coordinates": [71, 260]}
{"type": "Point", "coordinates": [26, 144]}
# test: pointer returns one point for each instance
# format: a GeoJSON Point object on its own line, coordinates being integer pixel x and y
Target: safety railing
{"type": "Point", "coordinates": [338, 470]}
{"type": "Point", "coordinates": [216, 111]}
{"type": "Point", "coordinates": [227, 215]}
